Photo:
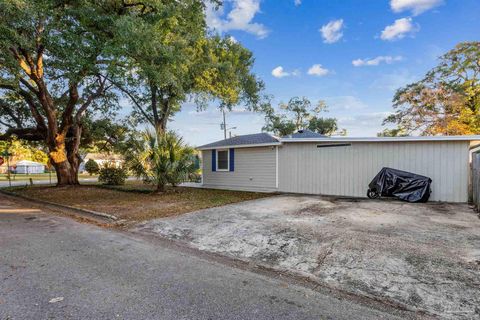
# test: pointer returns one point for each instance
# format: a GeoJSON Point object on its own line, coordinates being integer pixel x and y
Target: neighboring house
{"type": "Point", "coordinates": [307, 162]}
{"type": "Point", "coordinates": [29, 167]}
{"type": "Point", "coordinates": [102, 159]}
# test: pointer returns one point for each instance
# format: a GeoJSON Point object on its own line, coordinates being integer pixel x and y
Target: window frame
{"type": "Point", "coordinates": [228, 160]}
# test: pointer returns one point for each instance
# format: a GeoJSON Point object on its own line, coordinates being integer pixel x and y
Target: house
{"type": "Point", "coordinates": [29, 167]}
{"type": "Point", "coordinates": [102, 159]}
{"type": "Point", "coordinates": [310, 163]}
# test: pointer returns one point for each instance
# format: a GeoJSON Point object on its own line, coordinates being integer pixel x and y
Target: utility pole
{"type": "Point", "coordinates": [224, 125]}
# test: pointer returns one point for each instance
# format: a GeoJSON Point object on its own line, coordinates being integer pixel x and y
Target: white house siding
{"type": "Point", "coordinates": [254, 170]}
{"type": "Point", "coordinates": [347, 171]}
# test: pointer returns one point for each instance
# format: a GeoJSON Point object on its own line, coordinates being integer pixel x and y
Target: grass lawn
{"type": "Point", "coordinates": [135, 202]}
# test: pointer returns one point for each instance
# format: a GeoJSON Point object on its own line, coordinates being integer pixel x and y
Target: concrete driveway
{"type": "Point", "coordinates": [422, 256]}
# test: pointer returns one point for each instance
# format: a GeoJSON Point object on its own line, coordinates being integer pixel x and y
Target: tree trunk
{"type": "Point", "coordinates": [66, 174]}
{"type": "Point", "coordinates": [160, 188]}
{"type": "Point", "coordinates": [65, 160]}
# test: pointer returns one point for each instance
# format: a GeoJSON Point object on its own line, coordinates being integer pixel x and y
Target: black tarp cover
{"type": "Point", "coordinates": [403, 185]}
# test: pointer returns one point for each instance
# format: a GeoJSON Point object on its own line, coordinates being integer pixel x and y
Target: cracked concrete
{"type": "Point", "coordinates": [426, 256]}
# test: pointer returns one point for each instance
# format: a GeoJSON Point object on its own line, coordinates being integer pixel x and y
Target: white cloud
{"type": "Point", "coordinates": [416, 6]}
{"type": "Point", "coordinates": [278, 72]}
{"type": "Point", "coordinates": [239, 18]}
{"type": "Point", "coordinates": [399, 29]}
{"type": "Point", "coordinates": [318, 70]}
{"type": "Point", "coordinates": [297, 2]}
{"type": "Point", "coordinates": [332, 31]}
{"type": "Point", "coordinates": [376, 61]}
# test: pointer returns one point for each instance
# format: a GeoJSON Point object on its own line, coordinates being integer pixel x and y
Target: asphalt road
{"type": "Point", "coordinates": [53, 267]}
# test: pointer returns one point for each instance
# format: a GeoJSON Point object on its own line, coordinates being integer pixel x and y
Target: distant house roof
{"type": "Point", "coordinates": [103, 156]}
{"type": "Point", "coordinates": [29, 163]}
{"type": "Point", "coordinates": [304, 134]}
{"type": "Point", "coordinates": [249, 140]}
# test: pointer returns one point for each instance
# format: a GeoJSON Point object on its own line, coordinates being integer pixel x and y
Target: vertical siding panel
{"type": "Point", "coordinates": [347, 171]}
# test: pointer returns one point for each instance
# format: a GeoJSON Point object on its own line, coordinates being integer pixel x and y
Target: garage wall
{"type": "Point", "coordinates": [255, 170]}
{"type": "Point", "coordinates": [347, 170]}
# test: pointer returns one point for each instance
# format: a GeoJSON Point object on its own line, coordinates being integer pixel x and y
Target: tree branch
{"type": "Point", "coordinates": [91, 98]}
{"type": "Point", "coordinates": [132, 98]}
{"type": "Point", "coordinates": [30, 134]}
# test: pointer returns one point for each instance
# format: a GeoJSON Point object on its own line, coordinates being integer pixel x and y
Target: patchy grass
{"type": "Point", "coordinates": [135, 203]}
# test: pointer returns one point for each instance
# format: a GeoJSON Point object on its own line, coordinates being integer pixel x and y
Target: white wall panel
{"type": "Point", "coordinates": [254, 170]}
{"type": "Point", "coordinates": [346, 171]}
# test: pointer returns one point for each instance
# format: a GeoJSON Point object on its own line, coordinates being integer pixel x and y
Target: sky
{"type": "Point", "coordinates": [353, 54]}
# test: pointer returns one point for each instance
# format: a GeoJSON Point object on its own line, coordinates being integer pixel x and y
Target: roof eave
{"type": "Point", "coordinates": [385, 139]}
{"type": "Point", "coordinates": [241, 146]}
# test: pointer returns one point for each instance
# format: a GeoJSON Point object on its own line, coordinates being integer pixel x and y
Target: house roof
{"type": "Point", "coordinates": [304, 134]}
{"type": "Point", "coordinates": [249, 140]}
{"type": "Point", "coordinates": [103, 156]}
{"type": "Point", "coordinates": [29, 163]}
{"type": "Point", "coordinates": [265, 139]}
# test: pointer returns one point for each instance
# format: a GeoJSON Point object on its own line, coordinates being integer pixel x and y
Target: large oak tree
{"type": "Point", "coordinates": [54, 56]}
{"type": "Point", "coordinates": [446, 101]}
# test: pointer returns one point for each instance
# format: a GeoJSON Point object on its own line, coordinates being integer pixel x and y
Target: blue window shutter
{"type": "Point", "coordinates": [214, 160]}
{"type": "Point", "coordinates": [232, 159]}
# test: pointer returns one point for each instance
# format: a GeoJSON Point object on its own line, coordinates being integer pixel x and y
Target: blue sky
{"type": "Point", "coordinates": [352, 53]}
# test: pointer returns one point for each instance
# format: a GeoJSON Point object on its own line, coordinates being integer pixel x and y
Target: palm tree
{"type": "Point", "coordinates": [160, 159]}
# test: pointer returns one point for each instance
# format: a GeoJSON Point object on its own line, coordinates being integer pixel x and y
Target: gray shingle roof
{"type": "Point", "coordinates": [304, 134]}
{"type": "Point", "coordinates": [249, 139]}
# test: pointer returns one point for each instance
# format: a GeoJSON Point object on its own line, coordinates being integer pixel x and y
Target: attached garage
{"type": "Point", "coordinates": [310, 163]}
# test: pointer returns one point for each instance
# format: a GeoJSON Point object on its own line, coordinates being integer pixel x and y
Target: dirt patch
{"type": "Point", "coordinates": [423, 256]}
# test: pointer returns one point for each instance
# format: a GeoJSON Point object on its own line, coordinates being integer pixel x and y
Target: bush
{"type": "Point", "coordinates": [160, 159]}
{"type": "Point", "coordinates": [92, 167]}
{"type": "Point", "coordinates": [113, 176]}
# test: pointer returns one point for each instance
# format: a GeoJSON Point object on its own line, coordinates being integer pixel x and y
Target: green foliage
{"type": "Point", "coordinates": [23, 150]}
{"type": "Point", "coordinates": [170, 57]}
{"type": "Point", "coordinates": [112, 175]}
{"type": "Point", "coordinates": [160, 159]}
{"type": "Point", "coordinates": [325, 126]}
{"type": "Point", "coordinates": [92, 167]}
{"type": "Point", "coordinates": [447, 100]}
{"type": "Point", "coordinates": [103, 135]}
{"type": "Point", "coordinates": [298, 114]}
{"type": "Point", "coordinates": [396, 132]}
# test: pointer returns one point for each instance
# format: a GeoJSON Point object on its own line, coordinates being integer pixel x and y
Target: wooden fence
{"type": "Point", "coordinates": [476, 180]}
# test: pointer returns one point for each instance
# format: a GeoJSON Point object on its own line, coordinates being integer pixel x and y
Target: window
{"type": "Point", "coordinates": [222, 160]}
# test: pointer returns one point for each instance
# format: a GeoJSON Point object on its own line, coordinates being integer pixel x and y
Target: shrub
{"type": "Point", "coordinates": [111, 175]}
{"type": "Point", "coordinates": [92, 167]}
{"type": "Point", "coordinates": [160, 159]}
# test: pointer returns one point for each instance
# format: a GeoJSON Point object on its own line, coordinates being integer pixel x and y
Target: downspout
{"type": "Point", "coordinates": [276, 167]}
